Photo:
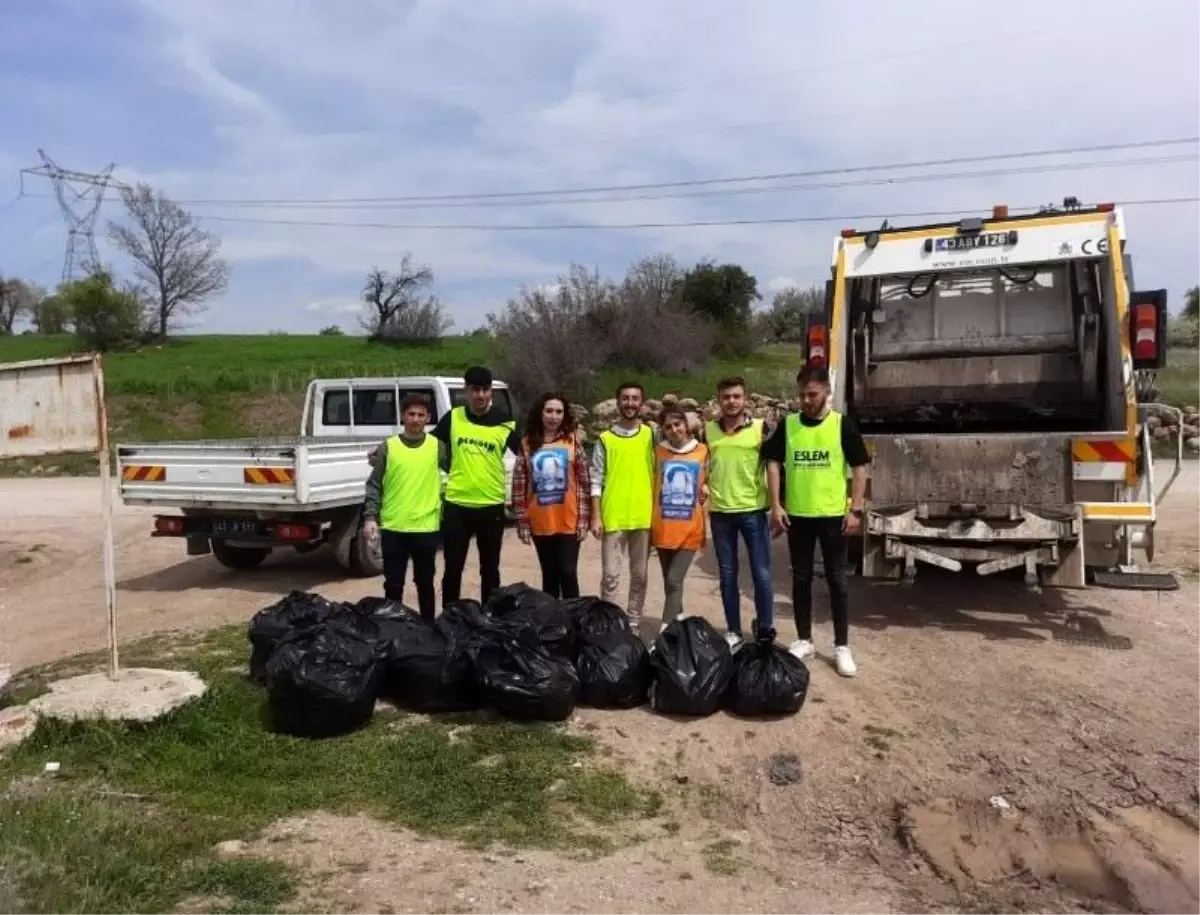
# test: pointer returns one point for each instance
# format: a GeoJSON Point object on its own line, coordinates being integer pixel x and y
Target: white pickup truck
{"type": "Point", "coordinates": [240, 499]}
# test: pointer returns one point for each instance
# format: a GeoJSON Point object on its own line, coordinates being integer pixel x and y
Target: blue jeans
{"type": "Point", "coordinates": [755, 530]}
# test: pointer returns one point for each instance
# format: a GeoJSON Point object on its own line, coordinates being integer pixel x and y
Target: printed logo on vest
{"type": "Point", "coordinates": [680, 485]}
{"type": "Point", "coordinates": [476, 443]}
{"type": "Point", "coordinates": [549, 467]}
{"type": "Point", "coordinates": [810, 459]}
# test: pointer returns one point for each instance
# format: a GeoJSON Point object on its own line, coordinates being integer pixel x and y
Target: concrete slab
{"type": "Point", "coordinates": [17, 722]}
{"type": "Point", "coordinates": [138, 694]}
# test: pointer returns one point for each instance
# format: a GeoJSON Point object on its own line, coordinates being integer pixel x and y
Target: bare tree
{"type": "Point", "coordinates": [654, 282]}
{"type": "Point", "coordinates": [399, 307]}
{"type": "Point", "coordinates": [177, 263]}
{"type": "Point", "coordinates": [791, 311]}
{"type": "Point", "coordinates": [17, 299]}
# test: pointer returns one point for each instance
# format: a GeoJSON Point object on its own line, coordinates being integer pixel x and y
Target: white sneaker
{"type": "Point", "coordinates": [803, 649]}
{"type": "Point", "coordinates": [734, 640]}
{"type": "Point", "coordinates": [844, 661]}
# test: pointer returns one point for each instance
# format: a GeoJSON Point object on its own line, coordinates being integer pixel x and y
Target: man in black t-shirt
{"type": "Point", "coordinates": [807, 458]}
{"type": "Point", "coordinates": [477, 437]}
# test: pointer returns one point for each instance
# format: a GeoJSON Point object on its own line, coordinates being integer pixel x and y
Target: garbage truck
{"type": "Point", "coordinates": [991, 363]}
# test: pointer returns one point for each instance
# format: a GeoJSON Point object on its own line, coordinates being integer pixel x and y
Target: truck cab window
{"type": "Point", "coordinates": [335, 409]}
{"type": "Point", "coordinates": [375, 407]}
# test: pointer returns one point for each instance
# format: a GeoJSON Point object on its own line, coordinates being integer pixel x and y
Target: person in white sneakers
{"type": "Point", "coordinates": [806, 480]}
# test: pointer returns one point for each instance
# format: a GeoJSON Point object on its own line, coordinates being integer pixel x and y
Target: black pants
{"type": "Point", "coordinates": [421, 548]}
{"type": "Point", "coordinates": [803, 535]}
{"type": "Point", "coordinates": [559, 558]}
{"type": "Point", "coordinates": [459, 525]}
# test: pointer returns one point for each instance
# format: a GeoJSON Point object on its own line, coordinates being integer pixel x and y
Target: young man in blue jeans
{"type": "Point", "coordinates": [737, 504]}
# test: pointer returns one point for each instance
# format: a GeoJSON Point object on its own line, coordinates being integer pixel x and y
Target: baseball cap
{"type": "Point", "coordinates": [478, 377]}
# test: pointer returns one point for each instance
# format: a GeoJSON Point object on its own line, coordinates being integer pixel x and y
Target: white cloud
{"type": "Point", "coordinates": [780, 283]}
{"type": "Point", "coordinates": [372, 99]}
{"type": "Point", "coordinates": [334, 307]}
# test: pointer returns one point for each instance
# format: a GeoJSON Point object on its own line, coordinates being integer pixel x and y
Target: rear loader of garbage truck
{"type": "Point", "coordinates": [992, 366]}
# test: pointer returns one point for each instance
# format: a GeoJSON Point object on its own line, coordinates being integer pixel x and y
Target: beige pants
{"type": "Point", "coordinates": [635, 544]}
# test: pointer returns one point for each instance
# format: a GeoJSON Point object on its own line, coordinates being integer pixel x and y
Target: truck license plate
{"type": "Point", "coordinates": [227, 526]}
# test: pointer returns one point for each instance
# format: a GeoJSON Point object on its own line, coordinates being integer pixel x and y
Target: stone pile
{"type": "Point", "coordinates": [1165, 428]}
{"type": "Point", "coordinates": [605, 413]}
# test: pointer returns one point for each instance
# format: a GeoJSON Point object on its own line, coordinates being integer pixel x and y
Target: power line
{"type": "Point", "coordinates": [788, 220]}
{"type": "Point", "coordinates": [732, 192]}
{"type": "Point", "coordinates": [708, 182]}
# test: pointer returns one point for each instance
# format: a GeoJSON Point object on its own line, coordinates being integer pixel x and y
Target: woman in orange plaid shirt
{"type": "Point", "coordinates": [551, 493]}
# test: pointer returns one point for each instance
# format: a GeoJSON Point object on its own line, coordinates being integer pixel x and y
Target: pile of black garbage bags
{"type": "Point", "coordinates": [525, 654]}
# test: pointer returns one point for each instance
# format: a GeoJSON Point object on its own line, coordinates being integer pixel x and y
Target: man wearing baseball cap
{"type": "Point", "coordinates": [476, 437]}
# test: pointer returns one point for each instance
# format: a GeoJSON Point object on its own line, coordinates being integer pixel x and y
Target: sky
{"type": "Point", "coordinates": [237, 101]}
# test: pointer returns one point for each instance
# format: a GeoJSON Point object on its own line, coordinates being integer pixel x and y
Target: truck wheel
{"type": "Point", "coordinates": [240, 558]}
{"type": "Point", "coordinates": [366, 559]}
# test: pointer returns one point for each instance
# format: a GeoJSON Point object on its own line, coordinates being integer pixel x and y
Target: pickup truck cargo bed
{"type": "Point", "coordinates": [296, 473]}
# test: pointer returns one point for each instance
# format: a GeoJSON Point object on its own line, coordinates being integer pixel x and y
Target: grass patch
{"type": "Point", "coordinates": [880, 739]}
{"type": "Point", "coordinates": [213, 772]}
{"type": "Point", "coordinates": [719, 857]}
{"type": "Point", "coordinates": [1179, 381]}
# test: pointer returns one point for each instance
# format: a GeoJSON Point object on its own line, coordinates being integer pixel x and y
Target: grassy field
{"type": "Point", "coordinates": [197, 366]}
{"type": "Point", "coordinates": [236, 386]}
{"type": "Point", "coordinates": [131, 822]}
{"type": "Point", "coordinates": [1179, 382]}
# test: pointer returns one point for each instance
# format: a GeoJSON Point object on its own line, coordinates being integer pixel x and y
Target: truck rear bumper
{"type": "Point", "coordinates": [897, 540]}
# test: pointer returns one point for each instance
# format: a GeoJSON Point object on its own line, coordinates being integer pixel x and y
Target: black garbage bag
{"type": "Point", "coordinates": [520, 603]}
{"type": "Point", "coordinates": [691, 668]}
{"type": "Point", "coordinates": [467, 628]}
{"type": "Point", "coordinates": [521, 680]}
{"type": "Point", "coordinates": [593, 616]}
{"type": "Point", "coordinates": [381, 607]}
{"type": "Point", "coordinates": [298, 612]}
{"type": "Point", "coordinates": [504, 600]}
{"type": "Point", "coordinates": [614, 670]}
{"type": "Point", "coordinates": [767, 679]}
{"type": "Point", "coordinates": [323, 682]}
{"type": "Point", "coordinates": [393, 619]}
{"type": "Point", "coordinates": [423, 675]}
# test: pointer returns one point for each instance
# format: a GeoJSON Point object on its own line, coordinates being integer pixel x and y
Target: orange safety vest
{"type": "Point", "coordinates": [679, 521]}
{"type": "Point", "coordinates": [551, 496]}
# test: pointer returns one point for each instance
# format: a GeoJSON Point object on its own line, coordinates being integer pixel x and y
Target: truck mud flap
{"type": "Point", "coordinates": [1135, 581]}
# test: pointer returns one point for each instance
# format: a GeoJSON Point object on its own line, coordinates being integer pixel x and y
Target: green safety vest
{"type": "Point", "coordinates": [412, 487]}
{"type": "Point", "coordinates": [815, 468]}
{"type": "Point", "coordinates": [476, 461]}
{"type": "Point", "coordinates": [736, 478]}
{"type": "Point", "coordinates": [627, 502]}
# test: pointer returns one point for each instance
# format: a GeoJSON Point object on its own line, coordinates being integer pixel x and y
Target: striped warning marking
{"type": "Point", "coordinates": [148, 473]}
{"type": "Point", "coordinates": [267, 476]}
{"type": "Point", "coordinates": [1117, 511]}
{"type": "Point", "coordinates": [1122, 451]}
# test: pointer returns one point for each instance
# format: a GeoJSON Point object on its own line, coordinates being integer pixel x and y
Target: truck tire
{"type": "Point", "coordinates": [366, 560]}
{"type": "Point", "coordinates": [239, 558]}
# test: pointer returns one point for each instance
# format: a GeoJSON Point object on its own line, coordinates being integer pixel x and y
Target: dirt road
{"type": "Point", "coordinates": [1078, 709]}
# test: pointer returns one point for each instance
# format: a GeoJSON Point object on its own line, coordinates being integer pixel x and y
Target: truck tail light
{"type": "Point", "coordinates": [171, 527]}
{"type": "Point", "coordinates": [298, 532]}
{"type": "Point", "coordinates": [1148, 328]}
{"type": "Point", "coordinates": [818, 345]}
{"type": "Point", "coordinates": [1145, 333]}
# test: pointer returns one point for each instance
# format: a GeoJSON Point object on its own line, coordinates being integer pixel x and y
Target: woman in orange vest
{"type": "Point", "coordinates": [551, 493]}
{"type": "Point", "coordinates": [677, 527]}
